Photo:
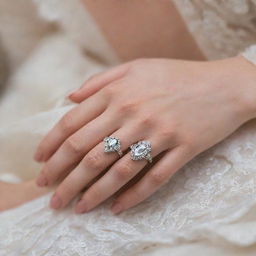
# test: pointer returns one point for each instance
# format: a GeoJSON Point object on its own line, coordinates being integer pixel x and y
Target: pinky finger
{"type": "Point", "coordinates": [97, 82]}
{"type": "Point", "coordinates": [158, 175]}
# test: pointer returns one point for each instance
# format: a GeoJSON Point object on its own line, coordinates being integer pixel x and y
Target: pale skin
{"type": "Point", "coordinates": [181, 107]}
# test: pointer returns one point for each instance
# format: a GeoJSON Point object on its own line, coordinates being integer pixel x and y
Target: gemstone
{"type": "Point", "coordinates": [111, 144]}
{"type": "Point", "coordinates": [139, 149]}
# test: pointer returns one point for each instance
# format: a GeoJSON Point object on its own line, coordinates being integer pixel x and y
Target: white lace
{"type": "Point", "coordinates": [222, 28]}
{"type": "Point", "coordinates": [212, 197]}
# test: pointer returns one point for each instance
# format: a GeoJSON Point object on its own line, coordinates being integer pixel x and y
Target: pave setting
{"type": "Point", "coordinates": [141, 150]}
{"type": "Point", "coordinates": [112, 144]}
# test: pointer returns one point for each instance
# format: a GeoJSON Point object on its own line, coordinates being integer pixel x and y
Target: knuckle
{"type": "Point", "coordinates": [147, 121]}
{"type": "Point", "coordinates": [66, 123]}
{"type": "Point", "coordinates": [128, 108]}
{"type": "Point", "coordinates": [73, 145]}
{"type": "Point", "coordinates": [134, 195]}
{"type": "Point", "coordinates": [67, 190]}
{"type": "Point", "coordinates": [49, 174]}
{"type": "Point", "coordinates": [94, 161]}
{"type": "Point", "coordinates": [158, 178]}
{"type": "Point", "coordinates": [124, 172]}
{"type": "Point", "coordinates": [109, 91]}
{"type": "Point", "coordinates": [94, 194]}
{"type": "Point", "coordinates": [168, 135]}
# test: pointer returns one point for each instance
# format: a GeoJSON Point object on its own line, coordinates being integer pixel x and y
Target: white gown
{"type": "Point", "coordinates": [207, 208]}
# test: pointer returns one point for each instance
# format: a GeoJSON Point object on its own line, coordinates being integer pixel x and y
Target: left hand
{"type": "Point", "coordinates": [181, 107]}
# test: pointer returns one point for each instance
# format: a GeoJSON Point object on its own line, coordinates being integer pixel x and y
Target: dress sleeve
{"type": "Point", "coordinates": [250, 53]}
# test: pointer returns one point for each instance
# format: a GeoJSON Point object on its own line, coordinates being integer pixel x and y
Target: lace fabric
{"type": "Point", "coordinates": [211, 199]}
{"type": "Point", "coordinates": [222, 28]}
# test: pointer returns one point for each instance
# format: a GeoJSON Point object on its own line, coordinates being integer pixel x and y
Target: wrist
{"type": "Point", "coordinates": [240, 76]}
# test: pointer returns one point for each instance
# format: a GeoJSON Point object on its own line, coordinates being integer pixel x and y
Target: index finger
{"type": "Point", "coordinates": [70, 123]}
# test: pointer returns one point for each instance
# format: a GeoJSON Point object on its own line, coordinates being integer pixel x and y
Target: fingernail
{"type": "Point", "coordinates": [116, 208]}
{"type": "Point", "coordinates": [38, 156]}
{"type": "Point", "coordinates": [72, 92]}
{"type": "Point", "coordinates": [55, 202]}
{"type": "Point", "coordinates": [41, 180]}
{"type": "Point", "coordinates": [81, 207]}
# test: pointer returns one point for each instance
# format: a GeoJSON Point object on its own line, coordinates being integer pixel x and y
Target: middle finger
{"type": "Point", "coordinates": [90, 167]}
{"type": "Point", "coordinates": [75, 147]}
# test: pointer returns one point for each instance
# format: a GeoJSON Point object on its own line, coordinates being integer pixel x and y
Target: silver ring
{"type": "Point", "coordinates": [112, 144]}
{"type": "Point", "coordinates": [141, 150]}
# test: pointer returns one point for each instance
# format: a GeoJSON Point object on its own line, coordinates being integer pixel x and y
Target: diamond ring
{"type": "Point", "coordinates": [141, 150]}
{"type": "Point", "coordinates": [112, 145]}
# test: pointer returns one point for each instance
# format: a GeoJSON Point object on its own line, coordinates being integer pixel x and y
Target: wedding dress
{"type": "Point", "coordinates": [210, 204]}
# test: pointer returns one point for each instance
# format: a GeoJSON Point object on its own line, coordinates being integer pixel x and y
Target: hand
{"type": "Point", "coordinates": [181, 107]}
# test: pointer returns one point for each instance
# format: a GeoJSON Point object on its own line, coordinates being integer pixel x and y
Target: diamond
{"type": "Point", "coordinates": [141, 150]}
{"type": "Point", "coordinates": [112, 144]}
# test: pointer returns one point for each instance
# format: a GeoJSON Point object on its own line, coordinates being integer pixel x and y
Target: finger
{"type": "Point", "coordinates": [153, 180]}
{"type": "Point", "coordinates": [76, 147]}
{"type": "Point", "coordinates": [70, 123]}
{"type": "Point", "coordinates": [97, 82]}
{"type": "Point", "coordinates": [93, 164]}
{"type": "Point", "coordinates": [118, 175]}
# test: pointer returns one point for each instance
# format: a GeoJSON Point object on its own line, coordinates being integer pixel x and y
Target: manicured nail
{"type": "Point", "coordinates": [81, 207]}
{"type": "Point", "coordinates": [116, 208]}
{"type": "Point", "coordinates": [41, 180]}
{"type": "Point", "coordinates": [55, 202]}
{"type": "Point", "coordinates": [38, 156]}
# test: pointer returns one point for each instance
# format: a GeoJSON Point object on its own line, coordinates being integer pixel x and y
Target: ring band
{"type": "Point", "coordinates": [141, 150]}
{"type": "Point", "coordinates": [112, 144]}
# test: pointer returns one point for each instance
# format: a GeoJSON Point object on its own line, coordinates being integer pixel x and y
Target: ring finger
{"type": "Point", "coordinates": [156, 177]}
{"type": "Point", "coordinates": [118, 175]}
{"type": "Point", "coordinates": [90, 167]}
{"type": "Point", "coordinates": [75, 147]}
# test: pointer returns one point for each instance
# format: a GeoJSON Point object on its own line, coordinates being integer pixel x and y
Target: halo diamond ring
{"type": "Point", "coordinates": [112, 144]}
{"type": "Point", "coordinates": [141, 150]}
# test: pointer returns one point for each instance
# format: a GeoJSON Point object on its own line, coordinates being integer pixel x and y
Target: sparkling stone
{"type": "Point", "coordinates": [140, 149]}
{"type": "Point", "coordinates": [112, 142]}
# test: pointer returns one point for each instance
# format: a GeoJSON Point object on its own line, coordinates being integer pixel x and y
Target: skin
{"type": "Point", "coordinates": [159, 32]}
{"type": "Point", "coordinates": [19, 193]}
{"type": "Point", "coordinates": [181, 107]}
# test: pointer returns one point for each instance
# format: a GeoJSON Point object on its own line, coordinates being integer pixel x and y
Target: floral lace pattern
{"type": "Point", "coordinates": [222, 28]}
{"type": "Point", "coordinates": [207, 199]}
